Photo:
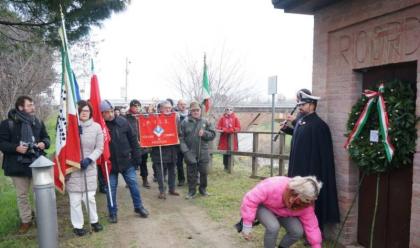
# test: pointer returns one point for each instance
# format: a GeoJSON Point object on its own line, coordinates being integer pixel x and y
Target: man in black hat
{"type": "Point", "coordinates": [312, 155]}
{"type": "Point", "coordinates": [133, 118]}
{"type": "Point", "coordinates": [290, 117]}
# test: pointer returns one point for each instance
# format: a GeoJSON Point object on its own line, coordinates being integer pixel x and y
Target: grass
{"type": "Point", "coordinates": [9, 217]}
{"type": "Point", "coordinates": [50, 124]}
{"type": "Point", "coordinates": [9, 221]}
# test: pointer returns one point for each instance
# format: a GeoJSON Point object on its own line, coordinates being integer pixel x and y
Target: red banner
{"type": "Point", "coordinates": [158, 130]}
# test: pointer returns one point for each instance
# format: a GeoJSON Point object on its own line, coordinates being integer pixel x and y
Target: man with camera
{"type": "Point", "coordinates": [23, 138]}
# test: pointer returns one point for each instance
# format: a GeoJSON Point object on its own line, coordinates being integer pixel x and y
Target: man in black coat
{"type": "Point", "coordinates": [133, 118]}
{"type": "Point", "coordinates": [23, 138]}
{"type": "Point", "coordinates": [312, 155]}
{"type": "Point", "coordinates": [125, 152]}
{"type": "Point", "coordinates": [165, 157]}
{"type": "Point", "coordinates": [182, 111]}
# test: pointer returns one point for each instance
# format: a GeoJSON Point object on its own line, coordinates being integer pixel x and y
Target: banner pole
{"type": "Point", "coordinates": [161, 167]}
{"type": "Point", "coordinates": [109, 184]}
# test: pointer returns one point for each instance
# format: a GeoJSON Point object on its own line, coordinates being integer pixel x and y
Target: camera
{"type": "Point", "coordinates": [31, 154]}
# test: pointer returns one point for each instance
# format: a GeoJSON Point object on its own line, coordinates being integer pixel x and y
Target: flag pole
{"type": "Point", "coordinates": [92, 68]}
{"type": "Point", "coordinates": [162, 174]}
{"type": "Point", "coordinates": [80, 127]}
{"type": "Point", "coordinates": [201, 115]}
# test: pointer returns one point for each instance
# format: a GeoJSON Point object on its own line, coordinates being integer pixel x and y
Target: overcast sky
{"type": "Point", "coordinates": [153, 34]}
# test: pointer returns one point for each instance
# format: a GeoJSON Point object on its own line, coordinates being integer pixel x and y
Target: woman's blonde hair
{"type": "Point", "coordinates": [306, 188]}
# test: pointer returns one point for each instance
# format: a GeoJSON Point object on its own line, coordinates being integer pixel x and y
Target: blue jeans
{"type": "Point", "coordinates": [130, 179]}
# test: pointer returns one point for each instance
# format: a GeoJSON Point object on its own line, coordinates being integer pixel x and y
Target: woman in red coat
{"type": "Point", "coordinates": [229, 125]}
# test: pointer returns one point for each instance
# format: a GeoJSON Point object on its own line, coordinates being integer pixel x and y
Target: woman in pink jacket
{"type": "Point", "coordinates": [282, 201]}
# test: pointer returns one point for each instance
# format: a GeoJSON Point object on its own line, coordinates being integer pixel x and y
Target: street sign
{"type": "Point", "coordinates": [272, 85]}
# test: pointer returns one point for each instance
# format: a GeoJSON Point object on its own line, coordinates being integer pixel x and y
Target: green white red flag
{"type": "Point", "coordinates": [206, 88]}
{"type": "Point", "coordinates": [67, 148]}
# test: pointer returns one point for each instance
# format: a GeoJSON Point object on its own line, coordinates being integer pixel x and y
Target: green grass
{"type": "Point", "coordinates": [9, 217]}
{"type": "Point", "coordinates": [50, 124]}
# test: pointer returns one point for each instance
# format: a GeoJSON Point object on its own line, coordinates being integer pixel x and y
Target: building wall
{"type": "Point", "coordinates": [354, 35]}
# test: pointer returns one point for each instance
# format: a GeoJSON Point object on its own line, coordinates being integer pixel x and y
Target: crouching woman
{"type": "Point", "coordinates": [287, 202]}
{"type": "Point", "coordinates": [92, 140]}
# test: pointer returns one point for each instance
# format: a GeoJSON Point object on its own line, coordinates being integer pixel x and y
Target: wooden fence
{"type": "Point", "coordinates": [279, 155]}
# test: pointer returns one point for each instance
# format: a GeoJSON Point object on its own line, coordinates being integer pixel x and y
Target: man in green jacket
{"type": "Point", "coordinates": [195, 135]}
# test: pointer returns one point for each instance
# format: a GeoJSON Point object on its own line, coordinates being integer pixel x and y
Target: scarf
{"type": "Point", "coordinates": [28, 121]}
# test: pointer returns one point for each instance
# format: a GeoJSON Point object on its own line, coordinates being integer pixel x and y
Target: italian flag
{"type": "Point", "coordinates": [206, 88]}
{"type": "Point", "coordinates": [67, 147]}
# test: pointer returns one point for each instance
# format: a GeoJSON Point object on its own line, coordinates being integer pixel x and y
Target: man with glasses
{"type": "Point", "coordinates": [312, 154]}
{"type": "Point", "coordinates": [167, 161]}
{"type": "Point", "coordinates": [228, 124]}
{"type": "Point", "coordinates": [23, 138]}
{"type": "Point", "coordinates": [133, 118]}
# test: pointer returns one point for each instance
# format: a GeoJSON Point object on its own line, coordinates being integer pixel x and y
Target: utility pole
{"type": "Point", "coordinates": [126, 79]}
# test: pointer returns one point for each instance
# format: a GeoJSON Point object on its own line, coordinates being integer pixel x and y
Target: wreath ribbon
{"type": "Point", "coordinates": [383, 120]}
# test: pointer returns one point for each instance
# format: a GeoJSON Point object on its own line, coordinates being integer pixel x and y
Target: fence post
{"type": "Point", "coordinates": [230, 157]}
{"type": "Point", "coordinates": [254, 158]}
{"type": "Point", "coordinates": [282, 141]}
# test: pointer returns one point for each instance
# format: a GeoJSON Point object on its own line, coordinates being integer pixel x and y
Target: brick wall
{"type": "Point", "coordinates": [354, 35]}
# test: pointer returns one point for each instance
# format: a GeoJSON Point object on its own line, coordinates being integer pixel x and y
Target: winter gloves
{"type": "Point", "coordinates": [190, 158]}
{"type": "Point", "coordinates": [85, 163]}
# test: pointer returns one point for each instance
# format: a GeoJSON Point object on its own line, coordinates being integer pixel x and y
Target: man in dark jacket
{"type": "Point", "coordinates": [312, 155]}
{"type": "Point", "coordinates": [168, 160]}
{"type": "Point", "coordinates": [196, 133]}
{"type": "Point", "coordinates": [125, 152]}
{"type": "Point", "coordinates": [23, 138]}
{"type": "Point", "coordinates": [133, 118]}
{"type": "Point", "coordinates": [182, 111]}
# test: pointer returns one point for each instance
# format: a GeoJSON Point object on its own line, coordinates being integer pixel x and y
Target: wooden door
{"type": "Point", "coordinates": [392, 226]}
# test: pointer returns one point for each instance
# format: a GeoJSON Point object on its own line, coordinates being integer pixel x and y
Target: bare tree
{"type": "Point", "coordinates": [227, 79]}
{"type": "Point", "coordinates": [25, 69]}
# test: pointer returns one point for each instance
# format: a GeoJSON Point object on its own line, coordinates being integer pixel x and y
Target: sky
{"type": "Point", "coordinates": [153, 35]}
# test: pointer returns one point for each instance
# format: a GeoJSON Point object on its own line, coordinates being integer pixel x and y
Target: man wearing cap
{"type": "Point", "coordinates": [133, 118]}
{"type": "Point", "coordinates": [125, 152]}
{"type": "Point", "coordinates": [293, 119]}
{"type": "Point", "coordinates": [196, 133]}
{"type": "Point", "coordinates": [312, 154]}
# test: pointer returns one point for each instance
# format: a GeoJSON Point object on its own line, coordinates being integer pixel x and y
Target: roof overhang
{"type": "Point", "coordinates": [302, 6]}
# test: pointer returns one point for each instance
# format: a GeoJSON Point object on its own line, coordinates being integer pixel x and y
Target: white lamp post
{"type": "Point", "coordinates": [46, 208]}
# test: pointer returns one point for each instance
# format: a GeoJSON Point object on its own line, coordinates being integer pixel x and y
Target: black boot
{"type": "Point", "coordinates": [142, 212]}
{"type": "Point", "coordinates": [146, 183]}
{"type": "Point", "coordinates": [79, 232]}
{"type": "Point", "coordinates": [96, 227]}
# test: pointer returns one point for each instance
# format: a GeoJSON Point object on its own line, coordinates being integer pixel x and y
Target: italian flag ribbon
{"type": "Point", "coordinates": [383, 120]}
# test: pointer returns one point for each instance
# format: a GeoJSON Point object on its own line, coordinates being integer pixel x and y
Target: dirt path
{"type": "Point", "coordinates": [174, 222]}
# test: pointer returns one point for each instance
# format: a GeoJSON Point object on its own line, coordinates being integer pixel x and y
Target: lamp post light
{"type": "Point", "coordinates": [46, 208]}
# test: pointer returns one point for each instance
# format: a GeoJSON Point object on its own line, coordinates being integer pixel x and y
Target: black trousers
{"type": "Point", "coordinates": [180, 168]}
{"type": "Point", "coordinates": [168, 169]}
{"type": "Point", "coordinates": [143, 165]}
{"type": "Point", "coordinates": [192, 171]}
{"type": "Point", "coordinates": [225, 160]}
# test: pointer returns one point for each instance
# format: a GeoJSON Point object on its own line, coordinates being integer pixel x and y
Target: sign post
{"type": "Point", "coordinates": [272, 90]}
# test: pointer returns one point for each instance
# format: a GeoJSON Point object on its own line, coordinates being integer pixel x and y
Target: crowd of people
{"type": "Point", "coordinates": [302, 203]}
